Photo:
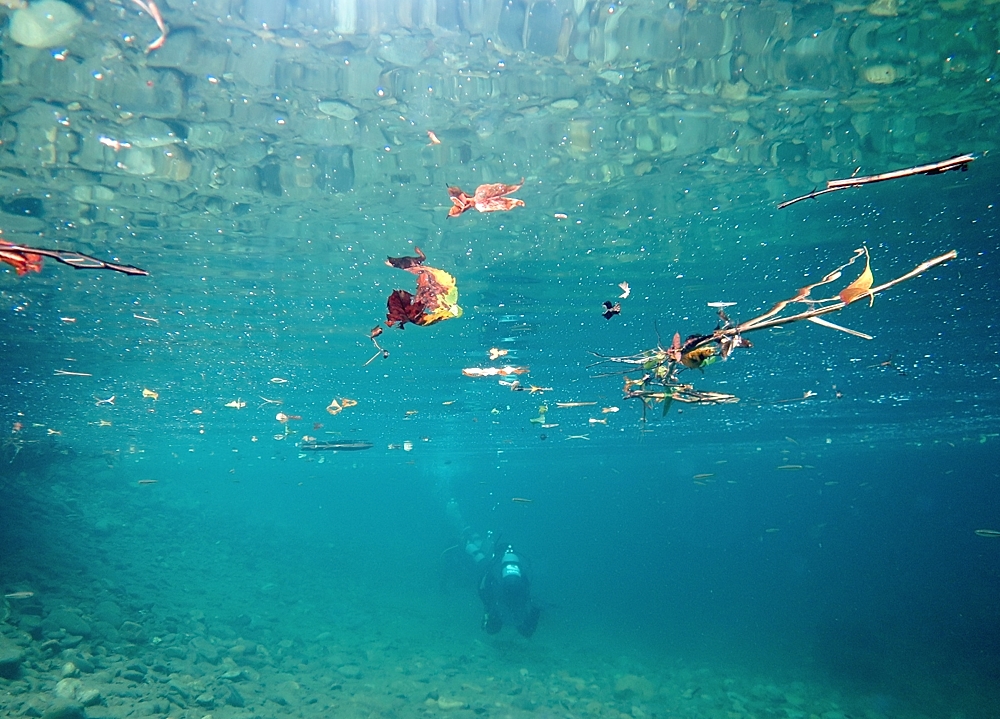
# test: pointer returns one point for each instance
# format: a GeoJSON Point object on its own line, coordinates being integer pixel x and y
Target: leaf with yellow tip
{"type": "Point", "coordinates": [861, 286]}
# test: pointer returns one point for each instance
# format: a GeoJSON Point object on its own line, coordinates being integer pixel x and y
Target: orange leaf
{"type": "Point", "coordinates": [861, 286]}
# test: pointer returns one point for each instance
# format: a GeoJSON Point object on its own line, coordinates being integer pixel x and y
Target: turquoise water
{"type": "Point", "coordinates": [166, 554]}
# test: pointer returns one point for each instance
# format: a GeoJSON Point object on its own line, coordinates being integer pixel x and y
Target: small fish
{"type": "Point", "coordinates": [578, 436]}
{"type": "Point", "coordinates": [67, 373]}
{"type": "Point", "coordinates": [721, 305]}
{"type": "Point", "coordinates": [561, 216]}
{"type": "Point", "coordinates": [68, 320]}
{"type": "Point", "coordinates": [109, 400]}
{"type": "Point", "coordinates": [278, 380]}
{"type": "Point", "coordinates": [991, 533]}
{"type": "Point", "coordinates": [150, 394]}
{"type": "Point", "coordinates": [791, 466]}
{"type": "Point", "coordinates": [611, 309]}
{"type": "Point", "coordinates": [433, 138]}
{"type": "Point", "coordinates": [54, 432]}
{"type": "Point", "coordinates": [608, 410]}
{"type": "Point", "coordinates": [411, 412]}
{"type": "Point", "coordinates": [575, 404]}
{"type": "Point", "coordinates": [597, 421]}
{"type": "Point", "coordinates": [236, 404]}
{"type": "Point", "coordinates": [626, 290]}
{"type": "Point", "coordinates": [103, 423]}
{"type": "Point", "coordinates": [146, 319]}
{"type": "Point", "coordinates": [308, 438]}
{"type": "Point", "coordinates": [521, 500]}
{"type": "Point", "coordinates": [549, 426]}
{"type": "Point", "coordinates": [18, 595]}
{"type": "Point", "coordinates": [446, 403]}
{"type": "Point", "coordinates": [704, 475]}
{"type": "Point", "coordinates": [771, 530]}
{"type": "Point", "coordinates": [282, 417]}
{"type": "Point", "coordinates": [831, 484]}
{"type": "Point", "coordinates": [147, 481]}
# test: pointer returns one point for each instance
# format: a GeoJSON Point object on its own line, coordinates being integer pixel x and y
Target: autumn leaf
{"type": "Point", "coordinates": [861, 286]}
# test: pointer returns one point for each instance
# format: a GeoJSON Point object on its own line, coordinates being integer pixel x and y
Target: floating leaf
{"type": "Point", "coordinates": [861, 286]}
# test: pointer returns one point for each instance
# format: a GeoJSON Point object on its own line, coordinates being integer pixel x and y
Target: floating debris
{"type": "Point", "coordinates": [521, 500]}
{"type": "Point", "coordinates": [147, 481]}
{"type": "Point", "coordinates": [626, 290]}
{"type": "Point", "coordinates": [611, 309]}
{"type": "Point", "coordinates": [504, 371]}
{"type": "Point", "coordinates": [991, 533]}
{"type": "Point", "coordinates": [704, 475]}
{"type": "Point", "coordinates": [19, 595]}
{"type": "Point", "coordinates": [488, 198]}
{"type": "Point", "coordinates": [236, 404]}
{"type": "Point", "coordinates": [564, 405]}
{"type": "Point", "coordinates": [150, 394]}
{"type": "Point", "coordinates": [341, 446]}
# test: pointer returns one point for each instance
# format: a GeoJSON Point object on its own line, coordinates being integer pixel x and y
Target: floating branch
{"type": "Point", "coordinates": [661, 366]}
{"type": "Point", "coordinates": [961, 162]}
{"type": "Point", "coordinates": [29, 259]}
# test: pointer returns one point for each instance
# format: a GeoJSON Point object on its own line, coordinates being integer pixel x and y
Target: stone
{"type": "Point", "coordinates": [132, 632]}
{"type": "Point", "coordinates": [11, 656]}
{"type": "Point", "coordinates": [207, 700]}
{"type": "Point", "coordinates": [631, 685]}
{"type": "Point", "coordinates": [566, 104]}
{"type": "Point", "coordinates": [69, 621]}
{"type": "Point", "coordinates": [47, 23]}
{"type": "Point", "coordinates": [134, 676]}
{"type": "Point", "coordinates": [64, 709]}
{"type": "Point", "coordinates": [234, 698]}
{"type": "Point", "coordinates": [880, 74]}
{"type": "Point", "coordinates": [69, 669]}
{"type": "Point", "coordinates": [68, 689]}
{"type": "Point", "coordinates": [338, 109]}
{"type": "Point", "coordinates": [89, 697]}
{"type": "Point", "coordinates": [205, 649]}
{"type": "Point", "coordinates": [350, 671]}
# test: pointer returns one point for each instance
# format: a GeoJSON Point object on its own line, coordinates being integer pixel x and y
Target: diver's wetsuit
{"type": "Point", "coordinates": [506, 593]}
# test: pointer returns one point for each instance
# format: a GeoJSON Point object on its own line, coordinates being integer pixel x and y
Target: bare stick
{"type": "Point", "coordinates": [961, 162]}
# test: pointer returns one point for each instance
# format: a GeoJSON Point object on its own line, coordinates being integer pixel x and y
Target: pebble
{"type": "Point", "coordinates": [11, 656]}
{"type": "Point", "coordinates": [46, 23]}
{"type": "Point", "coordinates": [338, 109]}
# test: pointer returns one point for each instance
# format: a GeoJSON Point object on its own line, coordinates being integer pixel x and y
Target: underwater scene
{"type": "Point", "coordinates": [537, 359]}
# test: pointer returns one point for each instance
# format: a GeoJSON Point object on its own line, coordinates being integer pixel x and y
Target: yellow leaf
{"type": "Point", "coordinates": [861, 286]}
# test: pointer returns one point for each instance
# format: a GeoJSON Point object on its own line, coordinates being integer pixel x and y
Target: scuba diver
{"type": "Point", "coordinates": [504, 586]}
{"type": "Point", "coordinates": [506, 593]}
